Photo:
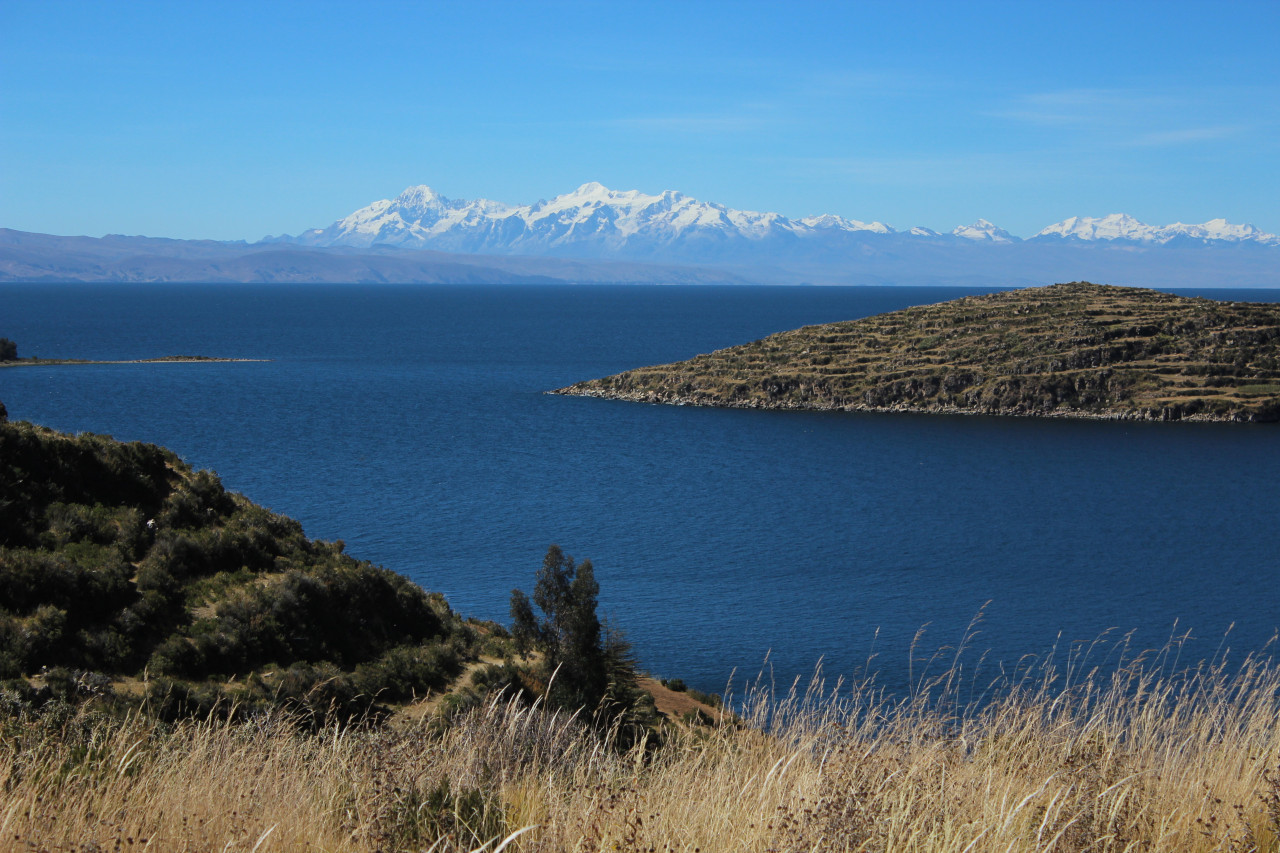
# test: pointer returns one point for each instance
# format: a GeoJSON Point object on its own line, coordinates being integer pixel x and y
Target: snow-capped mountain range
{"type": "Point", "coordinates": [1119, 226]}
{"type": "Point", "coordinates": [595, 234]}
{"type": "Point", "coordinates": [594, 221]}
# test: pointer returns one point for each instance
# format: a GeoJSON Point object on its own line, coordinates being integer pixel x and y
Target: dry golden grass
{"type": "Point", "coordinates": [1142, 758]}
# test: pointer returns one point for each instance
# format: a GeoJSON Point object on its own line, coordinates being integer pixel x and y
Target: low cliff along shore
{"type": "Point", "coordinates": [1070, 350]}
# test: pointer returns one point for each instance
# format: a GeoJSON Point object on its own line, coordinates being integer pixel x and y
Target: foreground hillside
{"type": "Point", "coordinates": [1079, 350]}
{"type": "Point", "coordinates": [127, 576]}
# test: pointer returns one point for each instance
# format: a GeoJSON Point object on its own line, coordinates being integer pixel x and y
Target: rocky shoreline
{"type": "Point", "coordinates": [1166, 414]}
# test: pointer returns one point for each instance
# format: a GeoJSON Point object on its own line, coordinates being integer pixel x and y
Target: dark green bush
{"type": "Point", "coordinates": [171, 700]}
{"type": "Point", "coordinates": [407, 672]}
{"type": "Point", "coordinates": [498, 677]}
{"type": "Point", "coordinates": [31, 578]}
{"type": "Point", "coordinates": [178, 656]}
{"type": "Point", "coordinates": [197, 502]}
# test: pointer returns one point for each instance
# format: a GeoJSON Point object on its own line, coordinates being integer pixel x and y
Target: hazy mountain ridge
{"type": "Point", "coordinates": [595, 220]}
{"type": "Point", "coordinates": [595, 234]}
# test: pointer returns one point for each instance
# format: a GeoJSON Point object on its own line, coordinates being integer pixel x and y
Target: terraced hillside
{"type": "Point", "coordinates": [1070, 350]}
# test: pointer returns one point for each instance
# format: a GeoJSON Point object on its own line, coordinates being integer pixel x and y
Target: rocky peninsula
{"type": "Point", "coordinates": [1069, 350]}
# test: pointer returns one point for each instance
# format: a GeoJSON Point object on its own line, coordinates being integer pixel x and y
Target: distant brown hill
{"type": "Point", "coordinates": [1069, 350]}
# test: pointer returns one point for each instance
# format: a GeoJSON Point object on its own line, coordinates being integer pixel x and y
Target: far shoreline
{"type": "Point", "coordinates": [168, 359]}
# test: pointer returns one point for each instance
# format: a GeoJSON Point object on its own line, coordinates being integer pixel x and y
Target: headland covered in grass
{"type": "Point", "coordinates": [185, 670]}
{"type": "Point", "coordinates": [1069, 350]}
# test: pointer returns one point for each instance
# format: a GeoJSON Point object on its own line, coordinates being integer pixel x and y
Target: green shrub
{"type": "Point", "coordinates": [712, 699]}
{"type": "Point", "coordinates": [172, 699]}
{"type": "Point", "coordinates": [106, 648]}
{"type": "Point", "coordinates": [197, 502]}
{"type": "Point", "coordinates": [498, 677]}
{"type": "Point", "coordinates": [177, 656]}
{"type": "Point", "coordinates": [31, 578]}
{"type": "Point", "coordinates": [407, 672]}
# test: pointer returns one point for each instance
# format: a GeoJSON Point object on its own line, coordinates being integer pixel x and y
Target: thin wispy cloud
{"type": "Point", "coordinates": [1136, 118]}
{"type": "Point", "coordinates": [1085, 107]}
{"type": "Point", "coordinates": [1188, 136]}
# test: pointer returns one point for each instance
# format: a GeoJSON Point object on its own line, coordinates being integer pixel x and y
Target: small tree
{"type": "Point", "coordinates": [588, 666]}
{"type": "Point", "coordinates": [568, 635]}
{"type": "Point", "coordinates": [8, 350]}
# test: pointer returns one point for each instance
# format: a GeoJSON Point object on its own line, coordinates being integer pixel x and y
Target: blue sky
{"type": "Point", "coordinates": [233, 121]}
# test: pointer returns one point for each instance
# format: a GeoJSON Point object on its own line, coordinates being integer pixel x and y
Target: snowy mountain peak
{"type": "Point", "coordinates": [839, 223]}
{"type": "Point", "coordinates": [592, 191]}
{"type": "Point", "coordinates": [1121, 226]}
{"type": "Point", "coordinates": [1221, 229]}
{"type": "Point", "coordinates": [419, 196]}
{"type": "Point", "coordinates": [596, 193]}
{"type": "Point", "coordinates": [985, 231]}
{"type": "Point", "coordinates": [1113, 226]}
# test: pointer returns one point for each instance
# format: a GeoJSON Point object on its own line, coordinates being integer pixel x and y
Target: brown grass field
{"type": "Point", "coordinates": [1144, 757]}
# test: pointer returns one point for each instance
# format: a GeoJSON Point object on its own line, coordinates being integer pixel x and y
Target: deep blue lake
{"type": "Point", "coordinates": [410, 421]}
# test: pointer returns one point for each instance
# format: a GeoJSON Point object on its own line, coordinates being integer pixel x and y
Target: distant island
{"type": "Point", "coordinates": [1068, 350]}
{"type": "Point", "coordinates": [167, 359]}
{"type": "Point", "coordinates": [9, 358]}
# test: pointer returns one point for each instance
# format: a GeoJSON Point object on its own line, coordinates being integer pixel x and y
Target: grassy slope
{"type": "Point", "coordinates": [118, 562]}
{"type": "Point", "coordinates": [1076, 349]}
{"type": "Point", "coordinates": [1145, 761]}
